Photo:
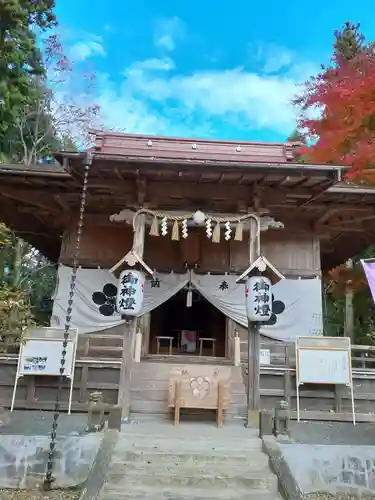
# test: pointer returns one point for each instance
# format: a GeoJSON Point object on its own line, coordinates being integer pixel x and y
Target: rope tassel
{"type": "Point", "coordinates": [154, 231]}
{"type": "Point", "coordinates": [239, 232]}
{"type": "Point", "coordinates": [216, 234]}
{"type": "Point", "coordinates": [175, 231]}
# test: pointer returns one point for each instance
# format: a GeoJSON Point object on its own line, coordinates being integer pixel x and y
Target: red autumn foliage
{"type": "Point", "coordinates": [344, 133]}
{"type": "Point", "coordinates": [342, 277]}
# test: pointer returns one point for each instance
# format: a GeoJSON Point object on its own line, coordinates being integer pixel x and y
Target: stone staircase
{"type": "Point", "coordinates": [154, 460]}
{"type": "Point", "coordinates": [150, 382]}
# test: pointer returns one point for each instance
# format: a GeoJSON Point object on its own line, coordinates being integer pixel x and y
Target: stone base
{"type": "Point", "coordinates": [23, 460]}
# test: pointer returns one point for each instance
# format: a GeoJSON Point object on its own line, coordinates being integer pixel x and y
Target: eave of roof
{"type": "Point", "coordinates": [38, 170]}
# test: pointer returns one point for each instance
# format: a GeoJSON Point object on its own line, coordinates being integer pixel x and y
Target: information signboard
{"type": "Point", "coordinates": [324, 360]}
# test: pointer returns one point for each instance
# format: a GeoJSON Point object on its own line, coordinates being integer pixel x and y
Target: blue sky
{"type": "Point", "coordinates": [194, 69]}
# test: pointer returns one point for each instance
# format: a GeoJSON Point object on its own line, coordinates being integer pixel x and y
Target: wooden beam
{"type": "Point", "coordinates": [191, 190]}
{"type": "Point", "coordinates": [61, 202]}
{"type": "Point", "coordinates": [31, 197]}
{"type": "Point", "coordinates": [346, 224]}
{"type": "Point", "coordinates": [141, 190]}
{"type": "Point", "coordinates": [327, 215]}
{"type": "Point", "coordinates": [320, 189]}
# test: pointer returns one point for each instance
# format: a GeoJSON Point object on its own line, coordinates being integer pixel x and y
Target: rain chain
{"type": "Point", "coordinates": [49, 479]}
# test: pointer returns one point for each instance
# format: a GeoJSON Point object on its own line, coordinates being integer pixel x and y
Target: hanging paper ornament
{"type": "Point", "coordinates": [228, 231]}
{"type": "Point", "coordinates": [209, 228]}
{"type": "Point", "coordinates": [154, 231]}
{"type": "Point", "coordinates": [216, 233]}
{"type": "Point", "coordinates": [239, 231]}
{"type": "Point", "coordinates": [189, 298]}
{"type": "Point", "coordinates": [184, 229]}
{"type": "Point", "coordinates": [175, 231]}
{"type": "Point", "coordinates": [164, 226]}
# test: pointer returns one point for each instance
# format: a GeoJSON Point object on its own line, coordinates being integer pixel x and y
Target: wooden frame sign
{"type": "Point", "coordinates": [324, 360]}
{"type": "Point", "coordinates": [40, 355]}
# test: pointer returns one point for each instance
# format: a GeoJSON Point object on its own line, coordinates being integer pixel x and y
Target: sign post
{"type": "Point", "coordinates": [258, 279]}
{"type": "Point", "coordinates": [40, 355]}
{"type": "Point", "coordinates": [324, 360]}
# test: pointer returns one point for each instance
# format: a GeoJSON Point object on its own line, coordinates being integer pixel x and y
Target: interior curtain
{"type": "Point", "coordinates": [297, 304]}
{"type": "Point", "coordinates": [94, 300]}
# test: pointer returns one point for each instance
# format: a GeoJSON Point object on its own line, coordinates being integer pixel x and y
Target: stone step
{"type": "Point", "coordinates": [253, 480]}
{"type": "Point", "coordinates": [192, 446]}
{"type": "Point", "coordinates": [197, 418]}
{"type": "Point", "coordinates": [190, 416]}
{"type": "Point", "coordinates": [190, 464]}
{"type": "Point", "coordinates": [148, 406]}
{"type": "Point", "coordinates": [148, 425]}
{"type": "Point", "coordinates": [186, 493]}
{"type": "Point", "coordinates": [228, 434]}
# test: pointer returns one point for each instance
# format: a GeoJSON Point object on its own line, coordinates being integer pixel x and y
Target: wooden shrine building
{"type": "Point", "coordinates": [193, 200]}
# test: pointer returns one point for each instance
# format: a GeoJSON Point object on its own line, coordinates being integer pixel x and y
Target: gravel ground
{"type": "Point", "coordinates": [39, 423]}
{"type": "Point", "coordinates": [36, 495]}
{"type": "Point", "coordinates": [333, 433]}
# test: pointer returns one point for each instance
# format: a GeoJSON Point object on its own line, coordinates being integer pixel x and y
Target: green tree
{"type": "Point", "coordinates": [349, 42]}
{"type": "Point", "coordinates": [296, 136]}
{"type": "Point", "coordinates": [363, 305]}
{"type": "Point", "coordinates": [21, 59]}
{"type": "Point", "coordinates": [27, 282]}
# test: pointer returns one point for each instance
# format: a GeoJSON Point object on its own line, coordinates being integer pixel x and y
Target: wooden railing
{"type": "Point", "coordinates": [283, 354]}
{"type": "Point", "coordinates": [93, 346]}
{"type": "Point", "coordinates": [98, 367]}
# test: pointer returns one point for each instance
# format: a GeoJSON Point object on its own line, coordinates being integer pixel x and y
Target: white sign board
{"type": "Point", "coordinates": [265, 357]}
{"type": "Point", "coordinates": [324, 360]}
{"type": "Point", "coordinates": [324, 367]}
{"type": "Point", "coordinates": [41, 354]}
{"type": "Point", "coordinates": [43, 357]}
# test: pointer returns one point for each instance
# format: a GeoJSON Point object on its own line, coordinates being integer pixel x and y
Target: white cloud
{"type": "Point", "coordinates": [154, 99]}
{"type": "Point", "coordinates": [84, 49]}
{"type": "Point", "coordinates": [154, 64]}
{"type": "Point", "coordinates": [166, 42]}
{"type": "Point", "coordinates": [167, 32]}
{"type": "Point", "coordinates": [272, 58]}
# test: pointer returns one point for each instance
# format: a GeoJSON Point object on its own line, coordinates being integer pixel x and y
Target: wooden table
{"type": "Point", "coordinates": [206, 339]}
{"type": "Point", "coordinates": [159, 338]}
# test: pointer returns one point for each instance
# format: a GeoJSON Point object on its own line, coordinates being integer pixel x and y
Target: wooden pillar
{"type": "Point", "coordinates": [124, 391]}
{"type": "Point", "coordinates": [349, 312]}
{"type": "Point", "coordinates": [145, 321]}
{"type": "Point", "coordinates": [253, 339]}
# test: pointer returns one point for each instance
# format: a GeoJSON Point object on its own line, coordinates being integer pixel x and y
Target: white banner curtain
{"type": "Point", "coordinates": [94, 300]}
{"type": "Point", "coordinates": [297, 305]}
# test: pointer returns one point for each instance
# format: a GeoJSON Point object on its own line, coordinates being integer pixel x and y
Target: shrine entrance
{"type": "Point", "coordinates": [198, 330]}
